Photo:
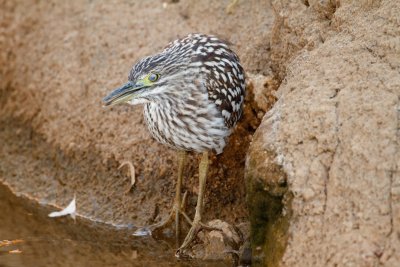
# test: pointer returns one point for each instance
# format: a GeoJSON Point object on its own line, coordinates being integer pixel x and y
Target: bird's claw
{"type": "Point", "coordinates": [163, 223]}
{"type": "Point", "coordinates": [196, 227]}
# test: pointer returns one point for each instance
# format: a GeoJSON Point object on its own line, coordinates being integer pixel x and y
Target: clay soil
{"type": "Point", "coordinates": [59, 58]}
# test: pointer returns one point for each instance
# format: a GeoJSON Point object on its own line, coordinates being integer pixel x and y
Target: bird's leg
{"type": "Point", "coordinates": [178, 202]}
{"type": "Point", "coordinates": [196, 224]}
{"type": "Point", "coordinates": [177, 205]}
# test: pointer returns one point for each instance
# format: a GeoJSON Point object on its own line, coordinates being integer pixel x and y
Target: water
{"type": "Point", "coordinates": [37, 240]}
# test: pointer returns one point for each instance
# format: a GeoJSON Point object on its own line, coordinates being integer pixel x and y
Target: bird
{"type": "Point", "coordinates": [192, 94]}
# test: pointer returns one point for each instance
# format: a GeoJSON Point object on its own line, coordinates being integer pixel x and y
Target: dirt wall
{"type": "Point", "coordinates": [334, 131]}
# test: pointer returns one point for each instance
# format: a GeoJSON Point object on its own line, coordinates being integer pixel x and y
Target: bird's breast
{"type": "Point", "coordinates": [188, 124]}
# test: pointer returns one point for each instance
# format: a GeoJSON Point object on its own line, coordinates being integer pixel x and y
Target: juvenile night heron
{"type": "Point", "coordinates": [192, 93]}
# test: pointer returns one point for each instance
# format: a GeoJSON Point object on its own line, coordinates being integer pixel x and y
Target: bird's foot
{"type": "Point", "coordinates": [174, 213]}
{"type": "Point", "coordinates": [197, 225]}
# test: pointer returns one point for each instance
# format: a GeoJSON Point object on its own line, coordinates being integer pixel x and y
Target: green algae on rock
{"type": "Point", "coordinates": [268, 200]}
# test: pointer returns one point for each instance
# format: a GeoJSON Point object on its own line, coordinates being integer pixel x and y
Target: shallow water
{"type": "Point", "coordinates": [37, 240]}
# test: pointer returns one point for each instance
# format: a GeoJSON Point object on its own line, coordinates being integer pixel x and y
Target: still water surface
{"type": "Point", "coordinates": [28, 237]}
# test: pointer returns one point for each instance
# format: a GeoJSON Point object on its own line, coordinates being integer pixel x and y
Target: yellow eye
{"type": "Point", "coordinates": [153, 77]}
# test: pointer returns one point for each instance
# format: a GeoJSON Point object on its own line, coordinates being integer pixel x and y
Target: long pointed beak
{"type": "Point", "coordinates": [123, 93]}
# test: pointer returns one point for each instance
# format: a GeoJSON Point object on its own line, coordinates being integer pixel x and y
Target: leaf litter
{"type": "Point", "coordinates": [132, 171]}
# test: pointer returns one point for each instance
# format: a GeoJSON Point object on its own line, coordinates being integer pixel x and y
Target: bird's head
{"type": "Point", "coordinates": [150, 78]}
